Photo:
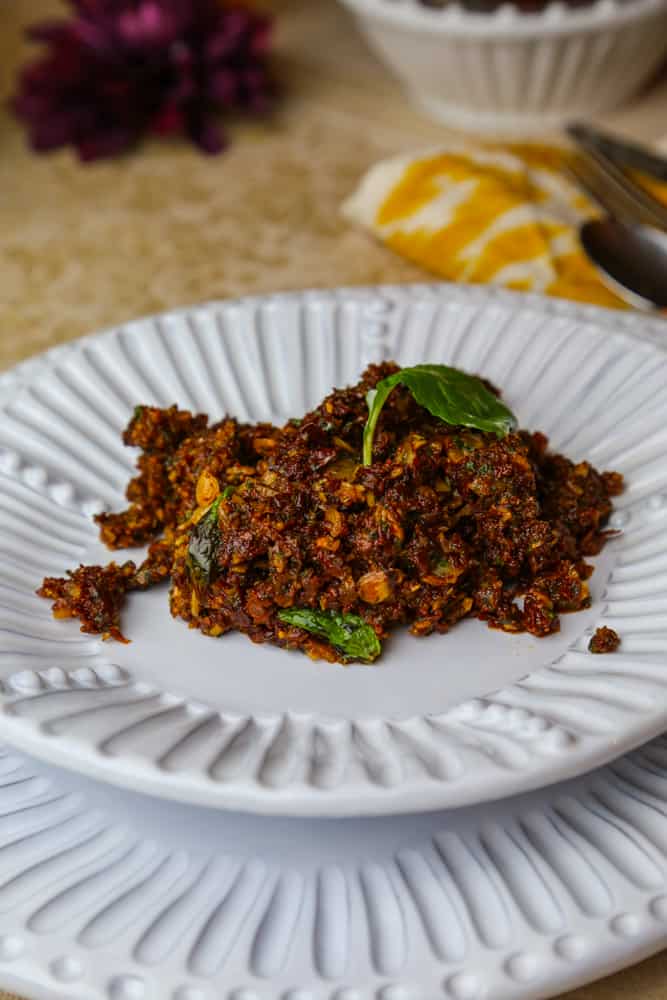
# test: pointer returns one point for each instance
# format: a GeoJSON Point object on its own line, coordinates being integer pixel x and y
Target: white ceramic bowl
{"type": "Point", "coordinates": [513, 72]}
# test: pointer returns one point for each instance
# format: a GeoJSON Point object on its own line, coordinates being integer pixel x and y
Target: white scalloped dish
{"type": "Point", "coordinates": [443, 721]}
{"type": "Point", "coordinates": [108, 895]}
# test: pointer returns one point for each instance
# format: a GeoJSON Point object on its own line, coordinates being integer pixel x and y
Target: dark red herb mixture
{"type": "Point", "coordinates": [604, 640]}
{"type": "Point", "coordinates": [283, 534]}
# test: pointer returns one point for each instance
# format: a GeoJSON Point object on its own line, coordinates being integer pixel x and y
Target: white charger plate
{"type": "Point", "coordinates": [443, 721]}
{"type": "Point", "coordinates": [109, 895]}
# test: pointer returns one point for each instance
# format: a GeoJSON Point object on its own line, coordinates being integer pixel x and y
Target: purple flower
{"type": "Point", "coordinates": [118, 69]}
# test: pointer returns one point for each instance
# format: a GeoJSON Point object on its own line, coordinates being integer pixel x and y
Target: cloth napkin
{"type": "Point", "coordinates": [504, 215]}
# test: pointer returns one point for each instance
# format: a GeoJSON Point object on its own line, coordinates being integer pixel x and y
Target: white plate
{"type": "Point", "coordinates": [108, 895]}
{"type": "Point", "coordinates": [437, 722]}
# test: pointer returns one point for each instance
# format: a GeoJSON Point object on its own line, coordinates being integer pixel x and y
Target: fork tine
{"type": "Point", "coordinates": [645, 207]}
{"type": "Point", "coordinates": [625, 153]}
{"type": "Point", "coordinates": [592, 184]}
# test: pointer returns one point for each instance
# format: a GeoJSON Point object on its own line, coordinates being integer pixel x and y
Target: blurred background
{"type": "Point", "coordinates": [86, 246]}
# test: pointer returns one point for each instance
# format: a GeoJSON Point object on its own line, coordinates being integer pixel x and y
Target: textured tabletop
{"type": "Point", "coordinates": [84, 248]}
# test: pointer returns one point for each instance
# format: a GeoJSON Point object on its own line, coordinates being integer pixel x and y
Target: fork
{"type": "Point", "coordinates": [611, 187]}
{"type": "Point", "coordinates": [631, 256]}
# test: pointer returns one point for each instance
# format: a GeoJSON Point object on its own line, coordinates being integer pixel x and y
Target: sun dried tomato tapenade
{"type": "Point", "coordinates": [257, 521]}
{"type": "Point", "coordinates": [604, 640]}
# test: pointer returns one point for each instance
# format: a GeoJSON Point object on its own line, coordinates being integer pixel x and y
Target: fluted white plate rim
{"type": "Point", "coordinates": [486, 749]}
{"type": "Point", "coordinates": [107, 895]}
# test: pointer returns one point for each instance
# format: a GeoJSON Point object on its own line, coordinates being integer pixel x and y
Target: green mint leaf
{"type": "Point", "coordinates": [447, 393]}
{"type": "Point", "coordinates": [203, 546]}
{"type": "Point", "coordinates": [346, 632]}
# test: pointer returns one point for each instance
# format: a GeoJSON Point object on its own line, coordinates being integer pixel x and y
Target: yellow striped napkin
{"type": "Point", "coordinates": [505, 215]}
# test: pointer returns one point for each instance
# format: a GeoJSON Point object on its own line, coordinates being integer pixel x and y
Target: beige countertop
{"type": "Point", "coordinates": [86, 247]}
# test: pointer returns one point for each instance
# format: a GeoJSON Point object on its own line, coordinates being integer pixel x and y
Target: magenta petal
{"type": "Point", "coordinates": [32, 106]}
{"type": "Point", "coordinates": [46, 137]}
{"type": "Point", "coordinates": [49, 31]}
{"type": "Point", "coordinates": [149, 24]}
{"type": "Point", "coordinates": [129, 27]}
{"type": "Point", "coordinates": [261, 37]}
{"type": "Point", "coordinates": [95, 36]}
{"type": "Point", "coordinates": [222, 46]}
{"type": "Point", "coordinates": [208, 135]}
{"type": "Point", "coordinates": [62, 126]}
{"type": "Point", "coordinates": [168, 121]}
{"type": "Point", "coordinates": [94, 8]}
{"type": "Point", "coordinates": [184, 86]}
{"type": "Point", "coordinates": [105, 144]}
{"type": "Point", "coordinates": [152, 16]}
{"type": "Point", "coordinates": [223, 88]}
{"type": "Point", "coordinates": [180, 55]}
